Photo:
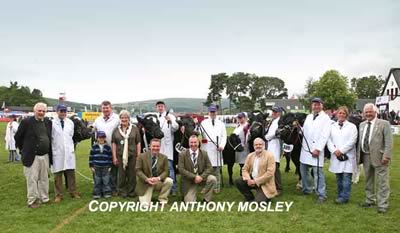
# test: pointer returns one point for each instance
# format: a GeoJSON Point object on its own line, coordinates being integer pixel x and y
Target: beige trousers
{"type": "Point", "coordinates": [209, 188]}
{"type": "Point", "coordinates": [37, 180]}
{"type": "Point", "coordinates": [163, 187]}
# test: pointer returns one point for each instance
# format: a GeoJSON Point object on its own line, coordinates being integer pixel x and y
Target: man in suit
{"type": "Point", "coordinates": [195, 169]}
{"type": "Point", "coordinates": [375, 151]}
{"type": "Point", "coordinates": [152, 174]}
{"type": "Point", "coordinates": [258, 173]}
{"type": "Point", "coordinates": [33, 138]}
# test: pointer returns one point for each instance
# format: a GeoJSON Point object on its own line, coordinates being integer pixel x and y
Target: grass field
{"type": "Point", "coordinates": [304, 216]}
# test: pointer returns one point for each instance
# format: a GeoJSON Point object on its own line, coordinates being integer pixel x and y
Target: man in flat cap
{"type": "Point", "coordinates": [316, 129]}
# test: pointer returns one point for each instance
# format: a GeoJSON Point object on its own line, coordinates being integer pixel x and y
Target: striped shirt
{"type": "Point", "coordinates": [100, 156]}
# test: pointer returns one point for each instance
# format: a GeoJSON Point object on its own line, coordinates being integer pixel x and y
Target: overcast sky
{"type": "Point", "coordinates": [137, 50]}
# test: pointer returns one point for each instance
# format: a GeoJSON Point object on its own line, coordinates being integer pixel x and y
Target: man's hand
{"type": "Point", "coordinates": [198, 179]}
{"type": "Point", "coordinates": [92, 169]}
{"type": "Point", "coordinates": [220, 149]}
{"type": "Point", "coordinates": [385, 161]}
{"type": "Point", "coordinates": [168, 118]}
{"type": "Point", "coordinates": [115, 162]}
{"type": "Point", "coordinates": [315, 153]}
{"type": "Point", "coordinates": [338, 153]}
{"type": "Point", "coordinates": [251, 183]}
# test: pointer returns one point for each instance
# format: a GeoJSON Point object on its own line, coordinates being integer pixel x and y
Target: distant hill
{"type": "Point", "coordinates": [177, 104]}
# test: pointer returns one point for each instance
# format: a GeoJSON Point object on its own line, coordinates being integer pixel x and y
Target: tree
{"type": "Point", "coordinates": [368, 87]}
{"type": "Point", "coordinates": [16, 95]}
{"type": "Point", "coordinates": [333, 88]}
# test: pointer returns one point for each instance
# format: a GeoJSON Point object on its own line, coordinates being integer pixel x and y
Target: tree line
{"type": "Point", "coordinates": [16, 95]}
{"type": "Point", "coordinates": [247, 92]}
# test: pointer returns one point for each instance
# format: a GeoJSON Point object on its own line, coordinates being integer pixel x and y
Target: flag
{"type": "Point", "coordinates": [85, 108]}
{"type": "Point", "coordinates": [4, 105]}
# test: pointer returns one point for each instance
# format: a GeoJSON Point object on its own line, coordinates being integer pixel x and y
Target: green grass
{"type": "Point", "coordinates": [304, 216]}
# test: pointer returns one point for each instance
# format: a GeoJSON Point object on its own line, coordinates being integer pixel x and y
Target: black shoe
{"type": "Point", "coordinates": [367, 205]}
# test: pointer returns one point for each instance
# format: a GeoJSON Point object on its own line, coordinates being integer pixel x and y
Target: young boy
{"type": "Point", "coordinates": [100, 161]}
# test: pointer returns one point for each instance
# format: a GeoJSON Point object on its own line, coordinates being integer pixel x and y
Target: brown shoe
{"type": "Point", "coordinates": [34, 205]}
{"type": "Point", "coordinates": [58, 199]}
{"type": "Point", "coordinates": [115, 194]}
{"type": "Point", "coordinates": [75, 195]}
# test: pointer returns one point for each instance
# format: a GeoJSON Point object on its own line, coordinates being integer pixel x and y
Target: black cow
{"type": "Point", "coordinates": [81, 131]}
{"type": "Point", "coordinates": [149, 128]}
{"type": "Point", "coordinates": [257, 124]}
{"type": "Point", "coordinates": [182, 135]}
{"type": "Point", "coordinates": [232, 145]}
{"type": "Point", "coordinates": [292, 138]}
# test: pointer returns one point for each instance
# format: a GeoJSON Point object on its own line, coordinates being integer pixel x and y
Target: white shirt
{"type": "Point", "coordinates": [274, 143]}
{"type": "Point", "coordinates": [343, 139]}
{"type": "Point", "coordinates": [100, 124]}
{"type": "Point", "coordinates": [365, 132]}
{"type": "Point", "coordinates": [167, 142]}
{"type": "Point", "coordinates": [256, 163]}
{"type": "Point", "coordinates": [218, 130]}
{"type": "Point", "coordinates": [316, 133]}
{"type": "Point", "coordinates": [240, 157]}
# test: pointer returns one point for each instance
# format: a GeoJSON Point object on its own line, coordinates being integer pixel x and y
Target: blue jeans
{"type": "Point", "coordinates": [320, 187]}
{"type": "Point", "coordinates": [102, 182]}
{"type": "Point", "coordinates": [172, 174]}
{"type": "Point", "coordinates": [343, 181]}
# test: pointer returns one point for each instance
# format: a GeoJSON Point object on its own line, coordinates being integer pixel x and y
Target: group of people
{"type": "Point", "coordinates": [119, 167]}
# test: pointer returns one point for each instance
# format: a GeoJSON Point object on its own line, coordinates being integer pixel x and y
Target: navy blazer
{"type": "Point", "coordinates": [27, 141]}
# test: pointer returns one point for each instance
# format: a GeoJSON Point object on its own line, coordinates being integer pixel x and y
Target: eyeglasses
{"type": "Point", "coordinates": [63, 111]}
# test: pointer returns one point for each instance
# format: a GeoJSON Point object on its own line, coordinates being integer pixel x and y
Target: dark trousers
{"type": "Point", "coordinates": [102, 182]}
{"type": "Point", "coordinates": [278, 179]}
{"type": "Point", "coordinates": [127, 177]}
{"type": "Point", "coordinates": [248, 194]}
{"type": "Point", "coordinates": [114, 178]}
{"type": "Point", "coordinates": [58, 182]}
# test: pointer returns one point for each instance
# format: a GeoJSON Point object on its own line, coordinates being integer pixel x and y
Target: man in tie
{"type": "Point", "coordinates": [274, 145]}
{"type": "Point", "coordinates": [107, 122]}
{"type": "Point", "coordinates": [258, 173]}
{"type": "Point", "coordinates": [375, 151]}
{"type": "Point", "coordinates": [195, 169]}
{"type": "Point", "coordinates": [152, 174]}
{"type": "Point", "coordinates": [168, 126]}
{"type": "Point", "coordinates": [213, 131]}
{"type": "Point", "coordinates": [316, 131]}
{"type": "Point", "coordinates": [63, 153]}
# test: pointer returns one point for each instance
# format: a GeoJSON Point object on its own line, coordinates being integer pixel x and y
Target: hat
{"type": "Point", "coordinates": [212, 108]}
{"type": "Point", "coordinates": [101, 134]}
{"type": "Point", "coordinates": [160, 102]}
{"type": "Point", "coordinates": [276, 109]}
{"type": "Point", "coordinates": [316, 100]}
{"type": "Point", "coordinates": [61, 107]}
{"type": "Point", "coordinates": [241, 115]}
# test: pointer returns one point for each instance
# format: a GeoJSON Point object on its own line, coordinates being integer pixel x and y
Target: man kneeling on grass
{"type": "Point", "coordinates": [195, 169]}
{"type": "Point", "coordinates": [152, 174]}
{"type": "Point", "coordinates": [258, 173]}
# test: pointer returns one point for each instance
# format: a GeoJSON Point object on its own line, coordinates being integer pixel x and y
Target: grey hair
{"type": "Point", "coordinates": [124, 112]}
{"type": "Point", "coordinates": [259, 139]}
{"type": "Point", "coordinates": [370, 105]}
{"type": "Point", "coordinates": [40, 105]}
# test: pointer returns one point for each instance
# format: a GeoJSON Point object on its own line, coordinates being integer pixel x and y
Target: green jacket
{"type": "Point", "coordinates": [143, 170]}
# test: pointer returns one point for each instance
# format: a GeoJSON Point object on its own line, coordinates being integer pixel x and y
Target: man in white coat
{"type": "Point", "coordinates": [274, 145]}
{"type": "Point", "coordinates": [242, 130]}
{"type": "Point", "coordinates": [316, 131]}
{"type": "Point", "coordinates": [11, 129]}
{"type": "Point", "coordinates": [63, 153]}
{"type": "Point", "coordinates": [168, 126]}
{"type": "Point", "coordinates": [214, 140]}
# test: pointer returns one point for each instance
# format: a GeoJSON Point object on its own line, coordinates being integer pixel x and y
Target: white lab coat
{"type": "Point", "coordinates": [240, 157]}
{"type": "Point", "coordinates": [62, 145]}
{"type": "Point", "coordinates": [274, 143]}
{"type": "Point", "coordinates": [344, 140]}
{"type": "Point", "coordinates": [218, 130]}
{"type": "Point", "coordinates": [316, 132]}
{"type": "Point", "coordinates": [167, 142]}
{"type": "Point", "coordinates": [11, 129]}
